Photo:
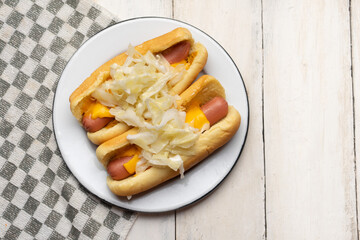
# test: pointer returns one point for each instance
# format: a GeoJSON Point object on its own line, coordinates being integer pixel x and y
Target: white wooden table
{"type": "Point", "coordinates": [297, 176]}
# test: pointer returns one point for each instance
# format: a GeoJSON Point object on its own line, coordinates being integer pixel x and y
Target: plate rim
{"type": "Point", "coordinates": [246, 129]}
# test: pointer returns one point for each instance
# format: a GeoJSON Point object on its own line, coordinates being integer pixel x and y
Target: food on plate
{"type": "Point", "coordinates": [156, 122]}
{"type": "Point", "coordinates": [209, 113]}
{"type": "Point", "coordinates": [175, 53]}
{"type": "Point", "coordinates": [146, 156]}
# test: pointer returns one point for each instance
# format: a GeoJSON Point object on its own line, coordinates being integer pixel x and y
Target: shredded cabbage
{"type": "Point", "coordinates": [138, 94]}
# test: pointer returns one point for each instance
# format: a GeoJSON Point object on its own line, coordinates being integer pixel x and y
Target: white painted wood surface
{"type": "Point", "coordinates": [355, 33]}
{"type": "Point", "coordinates": [310, 190]}
{"type": "Point", "coordinates": [236, 209]}
{"type": "Point", "coordinates": [297, 176]}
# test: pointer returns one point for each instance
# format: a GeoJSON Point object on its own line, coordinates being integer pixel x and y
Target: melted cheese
{"type": "Point", "coordinates": [187, 65]}
{"type": "Point", "coordinates": [187, 62]}
{"type": "Point", "coordinates": [130, 166]}
{"type": "Point", "coordinates": [195, 117]}
{"type": "Point", "coordinates": [97, 110]}
{"type": "Point", "coordinates": [133, 150]}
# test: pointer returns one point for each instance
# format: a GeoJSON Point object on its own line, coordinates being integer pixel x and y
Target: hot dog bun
{"type": "Point", "coordinates": [201, 91]}
{"type": "Point", "coordinates": [81, 97]}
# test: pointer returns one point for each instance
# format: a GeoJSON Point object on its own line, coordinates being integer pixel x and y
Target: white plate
{"type": "Point", "coordinates": [79, 153]}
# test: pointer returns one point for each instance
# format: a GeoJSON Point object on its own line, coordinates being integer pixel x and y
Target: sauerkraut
{"type": "Point", "coordinates": [138, 94]}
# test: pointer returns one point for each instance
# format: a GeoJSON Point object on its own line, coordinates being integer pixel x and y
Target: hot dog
{"type": "Point", "coordinates": [214, 110]}
{"type": "Point", "coordinates": [93, 125]}
{"type": "Point", "coordinates": [205, 94]}
{"type": "Point", "coordinates": [178, 52]}
{"type": "Point", "coordinates": [116, 168]}
{"type": "Point", "coordinates": [149, 123]}
{"type": "Point", "coordinates": [177, 47]}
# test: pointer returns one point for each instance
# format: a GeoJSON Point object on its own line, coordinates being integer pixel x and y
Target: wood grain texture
{"type": "Point", "coordinates": [302, 66]}
{"type": "Point", "coordinates": [355, 33]}
{"type": "Point", "coordinates": [126, 9]}
{"type": "Point", "coordinates": [236, 209]}
{"type": "Point", "coordinates": [308, 120]}
{"type": "Point", "coordinates": [153, 226]}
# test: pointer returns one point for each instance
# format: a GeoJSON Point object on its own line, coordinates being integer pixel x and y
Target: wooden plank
{"type": "Point", "coordinates": [126, 9]}
{"type": "Point", "coordinates": [158, 226]}
{"type": "Point", "coordinates": [355, 33]}
{"type": "Point", "coordinates": [153, 226]}
{"type": "Point", "coordinates": [310, 180]}
{"type": "Point", "coordinates": [236, 209]}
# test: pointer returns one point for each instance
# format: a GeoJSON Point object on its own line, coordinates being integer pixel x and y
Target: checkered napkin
{"type": "Point", "coordinates": [39, 197]}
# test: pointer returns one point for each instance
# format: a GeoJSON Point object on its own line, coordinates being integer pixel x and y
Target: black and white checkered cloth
{"type": "Point", "coordinates": [39, 197]}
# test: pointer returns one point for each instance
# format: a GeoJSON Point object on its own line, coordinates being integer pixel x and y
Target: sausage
{"type": "Point", "coordinates": [177, 52]}
{"type": "Point", "coordinates": [116, 168]}
{"type": "Point", "coordinates": [93, 125]}
{"type": "Point", "coordinates": [215, 110]}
